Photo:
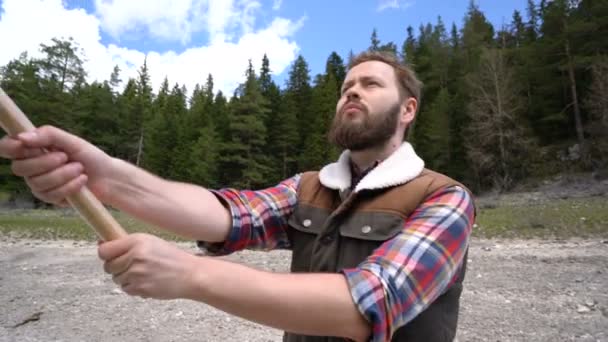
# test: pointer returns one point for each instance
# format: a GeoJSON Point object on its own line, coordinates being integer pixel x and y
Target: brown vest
{"type": "Point", "coordinates": [329, 234]}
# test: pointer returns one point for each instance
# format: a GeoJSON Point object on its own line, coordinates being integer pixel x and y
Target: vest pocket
{"type": "Point", "coordinates": [363, 232]}
{"type": "Point", "coordinates": [305, 224]}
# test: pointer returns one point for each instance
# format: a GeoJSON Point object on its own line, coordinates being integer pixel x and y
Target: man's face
{"type": "Point", "coordinates": [367, 114]}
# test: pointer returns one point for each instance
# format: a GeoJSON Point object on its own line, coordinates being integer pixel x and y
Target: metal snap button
{"type": "Point", "coordinates": [366, 229]}
{"type": "Point", "coordinates": [306, 223]}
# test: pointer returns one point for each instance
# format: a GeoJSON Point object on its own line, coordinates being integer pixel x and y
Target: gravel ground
{"type": "Point", "coordinates": [515, 290]}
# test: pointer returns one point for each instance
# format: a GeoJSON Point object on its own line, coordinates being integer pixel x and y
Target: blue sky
{"type": "Point", "coordinates": [348, 25]}
{"type": "Point", "coordinates": [186, 39]}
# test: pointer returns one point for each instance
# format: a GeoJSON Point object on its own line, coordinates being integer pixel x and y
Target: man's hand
{"type": "Point", "coordinates": [70, 163]}
{"type": "Point", "coordinates": [149, 267]}
{"type": "Point", "coordinates": [315, 304]}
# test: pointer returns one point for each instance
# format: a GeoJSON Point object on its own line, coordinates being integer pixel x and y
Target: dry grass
{"type": "Point", "coordinates": [580, 217]}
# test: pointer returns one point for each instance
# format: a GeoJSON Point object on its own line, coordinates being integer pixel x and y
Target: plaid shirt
{"type": "Point", "coordinates": [394, 284]}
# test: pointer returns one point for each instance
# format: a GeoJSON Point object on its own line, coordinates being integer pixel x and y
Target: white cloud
{"type": "Point", "coordinates": [165, 19]}
{"type": "Point", "coordinates": [248, 16]}
{"type": "Point", "coordinates": [276, 5]}
{"type": "Point", "coordinates": [393, 4]}
{"type": "Point", "coordinates": [176, 19]}
{"type": "Point", "coordinates": [225, 56]}
{"type": "Point", "coordinates": [227, 61]}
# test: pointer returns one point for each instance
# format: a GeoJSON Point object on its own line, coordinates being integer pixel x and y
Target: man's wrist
{"type": "Point", "coordinates": [197, 280]}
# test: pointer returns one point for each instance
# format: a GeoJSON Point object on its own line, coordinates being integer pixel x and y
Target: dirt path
{"type": "Point", "coordinates": [524, 290]}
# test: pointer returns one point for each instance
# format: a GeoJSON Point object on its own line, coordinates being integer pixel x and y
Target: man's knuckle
{"type": "Point", "coordinates": [138, 257]}
{"type": "Point", "coordinates": [33, 183]}
{"type": "Point", "coordinates": [15, 168]}
{"type": "Point", "coordinates": [41, 196]}
{"type": "Point", "coordinates": [46, 129]}
{"type": "Point", "coordinates": [56, 196]}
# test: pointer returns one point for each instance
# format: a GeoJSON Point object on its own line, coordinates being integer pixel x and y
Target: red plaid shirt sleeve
{"type": "Point", "coordinates": [407, 273]}
{"type": "Point", "coordinates": [259, 218]}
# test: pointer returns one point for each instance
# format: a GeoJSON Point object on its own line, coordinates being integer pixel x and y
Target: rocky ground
{"type": "Point", "coordinates": [516, 290]}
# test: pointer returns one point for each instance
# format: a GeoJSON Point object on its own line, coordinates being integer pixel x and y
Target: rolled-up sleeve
{"type": "Point", "coordinates": [407, 273]}
{"type": "Point", "coordinates": [259, 218]}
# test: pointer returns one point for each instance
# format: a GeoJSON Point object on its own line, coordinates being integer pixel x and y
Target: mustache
{"type": "Point", "coordinates": [352, 104]}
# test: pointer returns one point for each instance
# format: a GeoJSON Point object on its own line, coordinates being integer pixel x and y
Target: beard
{"type": "Point", "coordinates": [371, 131]}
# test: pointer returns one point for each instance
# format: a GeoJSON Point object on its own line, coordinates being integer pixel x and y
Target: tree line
{"type": "Point", "coordinates": [499, 105]}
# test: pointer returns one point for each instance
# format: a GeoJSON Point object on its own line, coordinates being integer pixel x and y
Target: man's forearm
{"type": "Point", "coordinates": [312, 304]}
{"type": "Point", "coordinates": [187, 210]}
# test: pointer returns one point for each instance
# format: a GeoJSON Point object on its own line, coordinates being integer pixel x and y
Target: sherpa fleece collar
{"type": "Point", "coordinates": [399, 168]}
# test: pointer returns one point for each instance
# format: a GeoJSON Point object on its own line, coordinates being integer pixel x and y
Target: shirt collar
{"type": "Point", "coordinates": [357, 174]}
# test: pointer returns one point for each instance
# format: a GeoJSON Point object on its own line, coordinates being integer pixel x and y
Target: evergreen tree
{"type": "Point", "coordinates": [128, 125]}
{"type": "Point", "coordinates": [285, 138]}
{"type": "Point", "coordinates": [316, 150]}
{"type": "Point", "coordinates": [408, 51]}
{"type": "Point", "coordinates": [298, 97]}
{"type": "Point", "coordinates": [142, 114]}
{"type": "Point", "coordinates": [161, 134]}
{"type": "Point", "coordinates": [335, 67]}
{"type": "Point", "coordinates": [220, 116]}
{"type": "Point", "coordinates": [477, 33]}
{"type": "Point", "coordinates": [272, 93]}
{"type": "Point", "coordinates": [434, 135]}
{"type": "Point", "coordinates": [374, 41]}
{"type": "Point", "coordinates": [200, 138]}
{"type": "Point", "coordinates": [242, 156]}
{"type": "Point", "coordinates": [95, 116]}
{"type": "Point", "coordinates": [376, 45]}
{"type": "Point", "coordinates": [115, 80]}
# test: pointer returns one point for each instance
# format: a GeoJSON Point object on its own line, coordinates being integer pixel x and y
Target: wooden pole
{"type": "Point", "coordinates": [13, 121]}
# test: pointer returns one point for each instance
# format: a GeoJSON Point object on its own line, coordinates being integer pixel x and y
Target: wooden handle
{"type": "Point", "coordinates": [13, 121]}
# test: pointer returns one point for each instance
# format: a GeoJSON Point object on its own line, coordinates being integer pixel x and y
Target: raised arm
{"type": "Point", "coordinates": [184, 209]}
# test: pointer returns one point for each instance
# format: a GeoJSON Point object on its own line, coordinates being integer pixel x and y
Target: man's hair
{"type": "Point", "coordinates": [409, 84]}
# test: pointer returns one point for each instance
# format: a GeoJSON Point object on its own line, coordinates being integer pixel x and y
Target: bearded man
{"type": "Point", "coordinates": [378, 242]}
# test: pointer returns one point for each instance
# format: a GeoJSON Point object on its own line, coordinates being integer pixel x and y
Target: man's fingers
{"type": "Point", "coordinates": [115, 248]}
{"type": "Point", "coordinates": [49, 136]}
{"type": "Point", "coordinates": [38, 165]}
{"type": "Point", "coordinates": [11, 148]}
{"type": "Point", "coordinates": [118, 265]}
{"type": "Point", "coordinates": [55, 178]}
{"type": "Point", "coordinates": [58, 195]}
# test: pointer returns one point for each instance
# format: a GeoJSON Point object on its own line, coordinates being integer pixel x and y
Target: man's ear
{"type": "Point", "coordinates": [408, 110]}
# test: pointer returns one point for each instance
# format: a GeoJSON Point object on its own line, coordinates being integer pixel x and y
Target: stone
{"type": "Point", "coordinates": [582, 309]}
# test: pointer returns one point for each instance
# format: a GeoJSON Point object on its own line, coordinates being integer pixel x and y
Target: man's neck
{"type": "Point", "coordinates": [364, 159]}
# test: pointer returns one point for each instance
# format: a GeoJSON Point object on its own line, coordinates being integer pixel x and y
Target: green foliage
{"type": "Point", "coordinates": [316, 151]}
{"type": "Point", "coordinates": [554, 52]}
{"type": "Point", "coordinates": [243, 155]}
{"type": "Point", "coordinates": [299, 92]}
{"type": "Point", "coordinates": [433, 133]}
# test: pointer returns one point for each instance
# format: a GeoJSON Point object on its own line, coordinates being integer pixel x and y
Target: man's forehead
{"type": "Point", "coordinates": [371, 69]}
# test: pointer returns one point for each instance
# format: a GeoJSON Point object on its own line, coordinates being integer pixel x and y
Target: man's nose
{"type": "Point", "coordinates": [352, 93]}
